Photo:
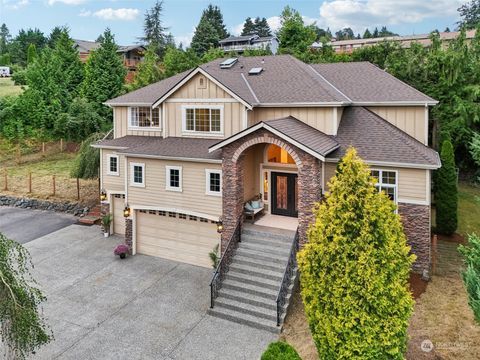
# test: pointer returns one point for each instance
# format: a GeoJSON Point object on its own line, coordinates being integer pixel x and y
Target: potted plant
{"type": "Point", "coordinates": [214, 256]}
{"type": "Point", "coordinates": [121, 250]}
{"type": "Point", "coordinates": [106, 221]}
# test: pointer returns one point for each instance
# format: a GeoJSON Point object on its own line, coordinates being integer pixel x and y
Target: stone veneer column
{"type": "Point", "coordinates": [128, 232]}
{"type": "Point", "coordinates": [416, 224]}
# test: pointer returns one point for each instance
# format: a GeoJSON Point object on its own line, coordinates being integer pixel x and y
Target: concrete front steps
{"type": "Point", "coordinates": [249, 291]}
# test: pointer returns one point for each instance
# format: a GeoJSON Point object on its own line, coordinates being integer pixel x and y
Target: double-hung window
{"type": "Point", "coordinates": [144, 117]}
{"type": "Point", "coordinates": [173, 179]}
{"type": "Point", "coordinates": [137, 174]}
{"type": "Point", "coordinates": [386, 182]}
{"type": "Point", "coordinates": [205, 120]}
{"type": "Point", "coordinates": [213, 182]}
{"type": "Point", "coordinates": [113, 165]}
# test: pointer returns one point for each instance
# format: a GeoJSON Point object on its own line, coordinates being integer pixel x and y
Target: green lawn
{"type": "Point", "coordinates": [468, 209]}
{"type": "Point", "coordinates": [8, 88]}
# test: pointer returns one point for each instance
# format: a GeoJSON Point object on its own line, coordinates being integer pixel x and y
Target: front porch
{"type": "Point", "coordinates": [278, 222]}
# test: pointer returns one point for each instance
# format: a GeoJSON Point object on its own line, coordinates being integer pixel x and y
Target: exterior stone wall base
{"type": "Point", "coordinates": [129, 232]}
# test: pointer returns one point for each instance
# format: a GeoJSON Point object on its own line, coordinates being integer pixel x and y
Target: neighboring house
{"type": "Point", "coordinates": [131, 55]}
{"type": "Point", "coordinates": [189, 151]}
{"type": "Point", "coordinates": [238, 44]}
{"type": "Point", "coordinates": [347, 46]}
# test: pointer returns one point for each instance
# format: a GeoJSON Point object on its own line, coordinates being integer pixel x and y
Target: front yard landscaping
{"type": "Point", "coordinates": [441, 314]}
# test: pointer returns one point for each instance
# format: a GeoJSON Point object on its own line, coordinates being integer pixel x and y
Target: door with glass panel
{"type": "Point", "coordinates": [284, 194]}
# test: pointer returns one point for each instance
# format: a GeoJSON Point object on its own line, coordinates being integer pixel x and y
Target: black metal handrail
{"type": "Point", "coordinates": [287, 276]}
{"type": "Point", "coordinates": [224, 263]}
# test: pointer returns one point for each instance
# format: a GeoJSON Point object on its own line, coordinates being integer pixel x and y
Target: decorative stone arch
{"type": "Point", "coordinates": [309, 180]}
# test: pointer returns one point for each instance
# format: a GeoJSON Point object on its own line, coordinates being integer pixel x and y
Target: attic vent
{"type": "Point", "coordinates": [255, 71]}
{"type": "Point", "coordinates": [228, 63]}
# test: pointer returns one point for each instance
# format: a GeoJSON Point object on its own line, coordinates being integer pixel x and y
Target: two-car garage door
{"type": "Point", "coordinates": [175, 236]}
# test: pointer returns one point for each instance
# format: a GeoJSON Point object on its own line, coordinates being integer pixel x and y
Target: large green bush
{"type": "Point", "coordinates": [471, 276]}
{"type": "Point", "coordinates": [446, 193]}
{"type": "Point", "coordinates": [280, 350]}
{"type": "Point", "coordinates": [87, 162]}
{"type": "Point", "coordinates": [355, 269]}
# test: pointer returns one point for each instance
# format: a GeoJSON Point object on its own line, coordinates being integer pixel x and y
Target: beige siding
{"type": "Point", "coordinates": [410, 119]}
{"type": "Point", "coordinates": [253, 158]}
{"type": "Point", "coordinates": [413, 184]}
{"type": "Point", "coordinates": [121, 124]}
{"type": "Point", "coordinates": [113, 183]}
{"type": "Point", "coordinates": [319, 118]}
{"type": "Point", "coordinates": [233, 115]}
{"type": "Point", "coordinates": [192, 198]}
{"type": "Point", "coordinates": [118, 204]}
{"type": "Point", "coordinates": [192, 90]}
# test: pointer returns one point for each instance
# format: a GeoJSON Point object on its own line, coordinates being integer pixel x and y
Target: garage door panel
{"type": "Point", "coordinates": [176, 239]}
{"type": "Point", "coordinates": [118, 219]}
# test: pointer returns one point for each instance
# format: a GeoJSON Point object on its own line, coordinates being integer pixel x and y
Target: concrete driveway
{"type": "Point", "coordinates": [24, 225]}
{"type": "Point", "coordinates": [101, 307]}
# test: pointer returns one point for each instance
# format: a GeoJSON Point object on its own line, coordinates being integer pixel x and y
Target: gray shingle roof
{"type": "Point", "coordinates": [286, 80]}
{"type": "Point", "coordinates": [170, 147]}
{"type": "Point", "coordinates": [365, 82]}
{"type": "Point", "coordinates": [376, 140]}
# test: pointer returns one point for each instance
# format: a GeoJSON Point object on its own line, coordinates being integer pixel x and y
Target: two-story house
{"type": "Point", "coordinates": [239, 44]}
{"type": "Point", "coordinates": [189, 151]}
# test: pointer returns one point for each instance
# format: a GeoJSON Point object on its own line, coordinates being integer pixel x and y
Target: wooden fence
{"type": "Point", "coordinates": [45, 186]}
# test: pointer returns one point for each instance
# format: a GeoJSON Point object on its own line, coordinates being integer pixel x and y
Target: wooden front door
{"type": "Point", "coordinates": [284, 194]}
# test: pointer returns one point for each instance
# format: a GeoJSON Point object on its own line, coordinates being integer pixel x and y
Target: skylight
{"type": "Point", "coordinates": [255, 71]}
{"type": "Point", "coordinates": [228, 63]}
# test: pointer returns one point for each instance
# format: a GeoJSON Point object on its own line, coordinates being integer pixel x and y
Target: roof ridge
{"type": "Point", "coordinates": [329, 83]}
{"type": "Point", "coordinates": [249, 87]}
{"type": "Point", "coordinates": [398, 133]}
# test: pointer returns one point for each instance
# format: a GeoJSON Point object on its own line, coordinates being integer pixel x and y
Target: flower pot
{"type": "Point", "coordinates": [106, 234]}
{"type": "Point", "coordinates": [123, 256]}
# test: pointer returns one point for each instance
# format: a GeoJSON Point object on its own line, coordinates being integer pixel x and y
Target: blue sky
{"type": "Point", "coordinates": [88, 18]}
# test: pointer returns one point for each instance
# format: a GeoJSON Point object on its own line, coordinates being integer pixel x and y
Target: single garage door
{"type": "Point", "coordinates": [175, 236]}
{"type": "Point", "coordinates": [118, 219]}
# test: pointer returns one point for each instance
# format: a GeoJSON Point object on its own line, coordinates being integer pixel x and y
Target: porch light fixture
{"type": "Point", "coordinates": [219, 226]}
{"type": "Point", "coordinates": [103, 195]}
{"type": "Point", "coordinates": [126, 211]}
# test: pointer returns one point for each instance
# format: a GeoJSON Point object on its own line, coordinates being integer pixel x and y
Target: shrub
{"type": "Point", "coordinates": [280, 350]}
{"type": "Point", "coordinates": [121, 249]}
{"type": "Point", "coordinates": [446, 195]}
{"type": "Point", "coordinates": [471, 276]}
{"type": "Point", "coordinates": [87, 163]}
{"type": "Point", "coordinates": [355, 269]}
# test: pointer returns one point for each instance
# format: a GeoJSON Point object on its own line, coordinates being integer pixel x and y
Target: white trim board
{"type": "Point", "coordinates": [391, 164]}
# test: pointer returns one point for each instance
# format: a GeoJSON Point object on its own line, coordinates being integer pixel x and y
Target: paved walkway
{"type": "Point", "coordinates": [101, 307]}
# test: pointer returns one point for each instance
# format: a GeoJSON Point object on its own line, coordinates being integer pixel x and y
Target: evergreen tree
{"type": "Point", "coordinates": [375, 33]}
{"type": "Point", "coordinates": [4, 39]}
{"type": "Point", "coordinates": [345, 34]}
{"type": "Point", "coordinates": [471, 275]}
{"type": "Point", "coordinates": [294, 36]}
{"type": "Point", "coordinates": [248, 27]}
{"type": "Point", "coordinates": [446, 193]}
{"type": "Point", "coordinates": [148, 70]}
{"type": "Point", "coordinates": [367, 34]}
{"type": "Point", "coordinates": [153, 29]}
{"type": "Point", "coordinates": [55, 35]}
{"type": "Point", "coordinates": [19, 45]}
{"type": "Point", "coordinates": [470, 14]}
{"type": "Point", "coordinates": [447, 29]}
{"type": "Point", "coordinates": [384, 32]}
{"type": "Point", "coordinates": [355, 269]}
{"type": "Point", "coordinates": [262, 28]}
{"type": "Point", "coordinates": [104, 75]}
{"type": "Point", "coordinates": [176, 61]}
{"type": "Point", "coordinates": [210, 30]}
{"type": "Point", "coordinates": [31, 54]}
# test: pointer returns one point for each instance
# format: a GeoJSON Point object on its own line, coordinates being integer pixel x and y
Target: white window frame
{"type": "Point", "coordinates": [382, 185]}
{"type": "Point", "coordinates": [167, 178]}
{"type": "Point", "coordinates": [133, 127]}
{"type": "Point", "coordinates": [208, 172]}
{"type": "Point", "coordinates": [202, 133]}
{"type": "Point", "coordinates": [132, 173]}
{"type": "Point", "coordinates": [109, 159]}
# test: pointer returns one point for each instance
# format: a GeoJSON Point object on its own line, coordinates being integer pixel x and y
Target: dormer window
{"type": "Point", "coordinates": [143, 117]}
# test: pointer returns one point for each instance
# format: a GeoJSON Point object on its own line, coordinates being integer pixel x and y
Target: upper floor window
{"type": "Point", "coordinates": [203, 119]}
{"type": "Point", "coordinates": [213, 182]}
{"type": "Point", "coordinates": [386, 182]}
{"type": "Point", "coordinates": [112, 165]}
{"type": "Point", "coordinates": [144, 117]}
{"type": "Point", "coordinates": [173, 178]}
{"type": "Point", "coordinates": [137, 171]}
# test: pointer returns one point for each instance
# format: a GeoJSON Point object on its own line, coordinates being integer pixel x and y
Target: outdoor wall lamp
{"type": "Point", "coordinates": [103, 195]}
{"type": "Point", "coordinates": [126, 211]}
{"type": "Point", "coordinates": [219, 226]}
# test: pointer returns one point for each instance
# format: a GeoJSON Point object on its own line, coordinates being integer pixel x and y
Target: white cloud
{"type": "Point", "coordinates": [123, 14]}
{"type": "Point", "coordinates": [15, 4]}
{"type": "Point", "coordinates": [67, 2]}
{"type": "Point", "coordinates": [185, 39]}
{"type": "Point", "coordinates": [360, 14]}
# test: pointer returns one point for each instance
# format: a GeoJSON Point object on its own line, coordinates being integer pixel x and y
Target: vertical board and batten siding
{"type": "Point", "coordinates": [410, 119]}
{"type": "Point", "coordinates": [318, 118]}
{"type": "Point", "coordinates": [113, 183]}
{"type": "Point", "coordinates": [192, 198]}
{"type": "Point", "coordinates": [412, 183]}
{"type": "Point", "coordinates": [121, 124]}
{"type": "Point", "coordinates": [192, 90]}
